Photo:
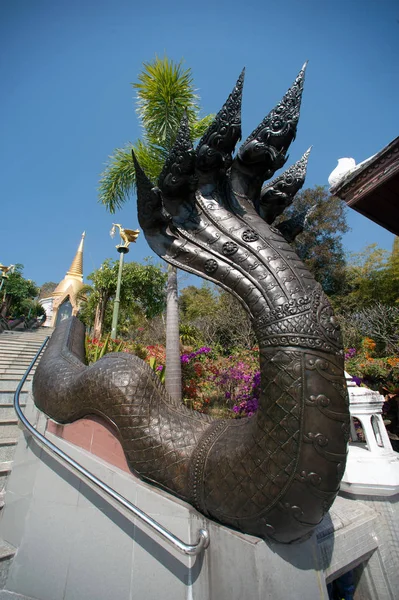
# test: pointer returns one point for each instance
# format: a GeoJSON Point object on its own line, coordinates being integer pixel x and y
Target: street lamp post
{"type": "Point", "coordinates": [127, 236]}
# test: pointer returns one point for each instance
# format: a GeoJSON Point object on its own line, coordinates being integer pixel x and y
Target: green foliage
{"type": "Point", "coordinates": [142, 294]}
{"type": "Point", "coordinates": [379, 322]}
{"type": "Point", "coordinates": [96, 349]}
{"type": "Point", "coordinates": [320, 245]}
{"type": "Point", "coordinates": [190, 335]}
{"type": "Point", "coordinates": [159, 370]}
{"type": "Point", "coordinates": [118, 181]}
{"type": "Point", "coordinates": [164, 90]}
{"type": "Point", "coordinates": [366, 365]}
{"type": "Point", "coordinates": [217, 318]}
{"type": "Point", "coordinates": [18, 292]}
{"type": "Point", "coordinates": [145, 285]}
{"type": "Point", "coordinates": [195, 302]}
{"type": "Point", "coordinates": [33, 309]}
{"type": "Point", "coordinates": [372, 276]}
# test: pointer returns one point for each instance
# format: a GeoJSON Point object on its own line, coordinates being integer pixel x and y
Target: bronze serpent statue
{"type": "Point", "coordinates": [275, 474]}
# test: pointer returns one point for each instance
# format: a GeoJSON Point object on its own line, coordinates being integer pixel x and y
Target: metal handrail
{"type": "Point", "coordinates": [187, 549]}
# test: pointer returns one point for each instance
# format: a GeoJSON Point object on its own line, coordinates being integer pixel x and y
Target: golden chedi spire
{"type": "Point", "coordinates": [76, 268]}
{"type": "Point", "coordinates": [73, 279]}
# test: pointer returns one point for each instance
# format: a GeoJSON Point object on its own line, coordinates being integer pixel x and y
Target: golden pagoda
{"type": "Point", "coordinates": [65, 299]}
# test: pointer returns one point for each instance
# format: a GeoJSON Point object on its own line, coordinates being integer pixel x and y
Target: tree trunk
{"type": "Point", "coordinates": [99, 319]}
{"type": "Point", "coordinates": [6, 306]}
{"type": "Point", "coordinates": [173, 364]}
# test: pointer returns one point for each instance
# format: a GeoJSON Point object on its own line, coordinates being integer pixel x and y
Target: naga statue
{"type": "Point", "coordinates": [274, 474]}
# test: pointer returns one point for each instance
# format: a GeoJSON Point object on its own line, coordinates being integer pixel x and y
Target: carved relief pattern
{"type": "Point", "coordinates": [214, 148]}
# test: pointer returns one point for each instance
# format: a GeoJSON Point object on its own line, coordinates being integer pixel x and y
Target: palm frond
{"type": "Point", "coordinates": [164, 91]}
{"type": "Point", "coordinates": [118, 180]}
{"type": "Point", "coordinates": [83, 292]}
{"type": "Point", "coordinates": [199, 127]}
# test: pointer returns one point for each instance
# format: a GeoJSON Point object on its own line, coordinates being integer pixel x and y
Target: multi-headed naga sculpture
{"type": "Point", "coordinates": [274, 474]}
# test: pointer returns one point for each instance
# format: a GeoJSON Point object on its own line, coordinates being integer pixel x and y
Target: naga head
{"type": "Point", "coordinates": [198, 215]}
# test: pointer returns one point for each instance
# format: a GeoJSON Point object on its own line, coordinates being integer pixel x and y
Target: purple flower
{"type": "Point", "coordinates": [350, 354]}
{"type": "Point", "coordinates": [357, 380]}
{"type": "Point", "coordinates": [185, 358]}
{"type": "Point", "coordinates": [160, 368]}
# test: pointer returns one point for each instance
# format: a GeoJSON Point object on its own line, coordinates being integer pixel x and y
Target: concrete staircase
{"type": "Point", "coordinates": [17, 349]}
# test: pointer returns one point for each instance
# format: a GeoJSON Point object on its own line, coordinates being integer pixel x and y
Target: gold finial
{"type": "Point", "coordinates": [5, 269]}
{"type": "Point", "coordinates": [127, 235]}
{"type": "Point", "coordinates": [76, 268]}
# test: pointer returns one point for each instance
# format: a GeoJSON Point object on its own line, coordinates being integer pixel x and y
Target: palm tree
{"type": "Point", "coordinates": [165, 91]}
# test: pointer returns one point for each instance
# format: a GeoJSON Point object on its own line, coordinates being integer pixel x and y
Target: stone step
{"type": "Point", "coordinates": [5, 470]}
{"type": "Point", "coordinates": [7, 397]}
{"type": "Point", "coordinates": [13, 357]}
{"type": "Point", "coordinates": [20, 344]}
{"type": "Point", "coordinates": [5, 356]}
{"type": "Point", "coordinates": [16, 360]}
{"type": "Point", "coordinates": [18, 337]}
{"type": "Point", "coordinates": [7, 359]}
{"type": "Point", "coordinates": [7, 410]}
{"type": "Point", "coordinates": [28, 332]}
{"type": "Point", "coordinates": [9, 428]}
{"type": "Point", "coordinates": [7, 341]}
{"type": "Point", "coordinates": [9, 356]}
{"type": "Point", "coordinates": [16, 374]}
{"type": "Point", "coordinates": [22, 340]}
{"type": "Point", "coordinates": [10, 383]}
{"type": "Point", "coordinates": [15, 352]}
{"type": "Point", "coordinates": [7, 449]}
{"type": "Point", "coordinates": [14, 369]}
{"type": "Point", "coordinates": [6, 550]}
{"type": "Point", "coordinates": [7, 553]}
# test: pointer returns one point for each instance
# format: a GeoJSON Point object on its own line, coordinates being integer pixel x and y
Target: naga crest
{"type": "Point", "coordinates": [276, 473]}
{"type": "Point", "coordinates": [193, 183]}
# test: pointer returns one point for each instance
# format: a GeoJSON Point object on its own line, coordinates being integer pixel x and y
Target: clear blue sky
{"type": "Point", "coordinates": [66, 101]}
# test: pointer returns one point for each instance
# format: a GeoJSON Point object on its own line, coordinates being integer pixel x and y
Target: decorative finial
{"type": "Point", "coordinates": [218, 142]}
{"type": "Point", "coordinates": [149, 202]}
{"type": "Point", "coordinates": [127, 235]}
{"type": "Point", "coordinates": [279, 193]}
{"type": "Point", "coordinates": [178, 174]}
{"type": "Point", "coordinates": [265, 149]}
